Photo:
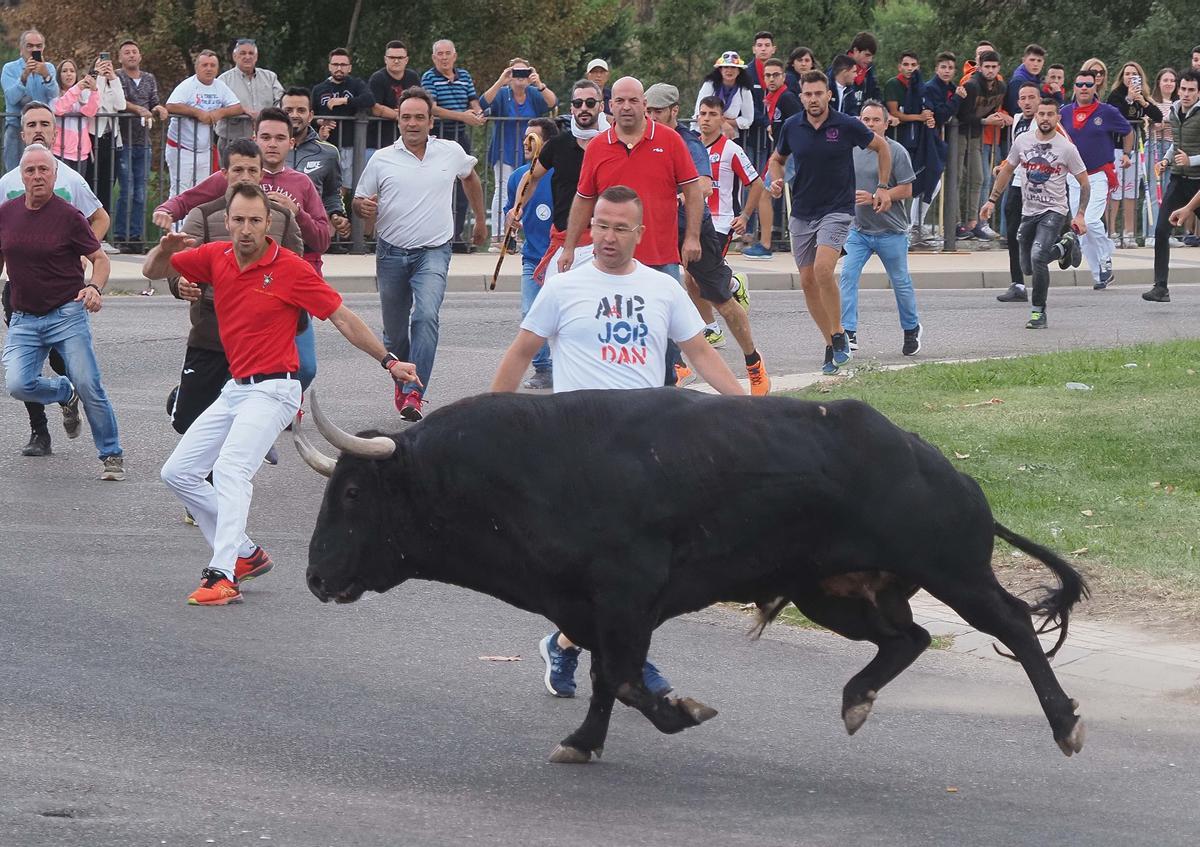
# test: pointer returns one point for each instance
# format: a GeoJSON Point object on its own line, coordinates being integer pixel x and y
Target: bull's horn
{"type": "Point", "coordinates": [315, 459]}
{"type": "Point", "coordinates": [379, 447]}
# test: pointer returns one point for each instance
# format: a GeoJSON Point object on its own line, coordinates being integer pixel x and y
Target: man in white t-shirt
{"type": "Point", "coordinates": [38, 127]}
{"type": "Point", "coordinates": [195, 106]}
{"type": "Point", "coordinates": [608, 323]}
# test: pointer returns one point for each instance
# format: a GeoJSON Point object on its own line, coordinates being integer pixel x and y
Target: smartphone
{"type": "Point", "coordinates": [1137, 81]}
{"type": "Point", "coordinates": [36, 55]}
{"type": "Point", "coordinates": [104, 57]}
{"type": "Point", "coordinates": [522, 73]}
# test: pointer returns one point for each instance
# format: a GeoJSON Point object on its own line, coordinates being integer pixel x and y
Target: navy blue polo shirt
{"type": "Point", "coordinates": [699, 153]}
{"type": "Point", "coordinates": [824, 159]}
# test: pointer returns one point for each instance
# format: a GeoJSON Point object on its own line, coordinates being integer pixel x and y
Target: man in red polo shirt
{"type": "Point", "coordinates": [653, 161]}
{"type": "Point", "coordinates": [259, 291]}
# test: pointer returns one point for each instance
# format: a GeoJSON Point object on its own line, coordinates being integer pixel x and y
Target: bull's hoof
{"type": "Point", "coordinates": [563, 755]}
{"type": "Point", "coordinates": [695, 709]}
{"type": "Point", "coordinates": [1073, 743]}
{"type": "Point", "coordinates": [855, 716]}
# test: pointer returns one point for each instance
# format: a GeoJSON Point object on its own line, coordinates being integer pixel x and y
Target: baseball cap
{"type": "Point", "coordinates": [662, 95]}
{"type": "Point", "coordinates": [596, 63]}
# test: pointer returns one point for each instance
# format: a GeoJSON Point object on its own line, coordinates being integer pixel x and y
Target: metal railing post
{"type": "Point", "coordinates": [359, 161]}
{"type": "Point", "coordinates": [950, 181]}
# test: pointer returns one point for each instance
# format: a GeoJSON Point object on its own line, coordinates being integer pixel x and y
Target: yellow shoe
{"type": "Point", "coordinates": [760, 382]}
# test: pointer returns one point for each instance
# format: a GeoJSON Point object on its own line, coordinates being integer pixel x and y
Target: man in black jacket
{"type": "Point", "coordinates": [343, 96]}
{"type": "Point", "coordinates": [981, 106]}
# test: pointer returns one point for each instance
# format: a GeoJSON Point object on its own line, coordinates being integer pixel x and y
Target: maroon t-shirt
{"type": "Point", "coordinates": [41, 249]}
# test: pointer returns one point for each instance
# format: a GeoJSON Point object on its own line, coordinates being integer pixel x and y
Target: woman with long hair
{"type": "Point", "coordinates": [1163, 95]}
{"type": "Point", "coordinates": [800, 61]}
{"type": "Point", "coordinates": [1101, 70]}
{"type": "Point", "coordinates": [76, 103]}
{"type": "Point", "coordinates": [1129, 97]}
{"type": "Point", "coordinates": [729, 81]}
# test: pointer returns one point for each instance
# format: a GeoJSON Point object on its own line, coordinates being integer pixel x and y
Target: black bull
{"type": "Point", "coordinates": [610, 512]}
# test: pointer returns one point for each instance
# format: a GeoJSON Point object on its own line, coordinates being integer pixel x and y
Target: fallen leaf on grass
{"type": "Point", "coordinates": [959, 455]}
{"type": "Point", "coordinates": [929, 407]}
{"type": "Point", "coordinates": [499, 658]}
{"type": "Point", "coordinates": [1078, 552]}
{"type": "Point", "coordinates": [1170, 489]}
{"type": "Point", "coordinates": [1096, 525]}
{"type": "Point", "coordinates": [1087, 513]}
{"type": "Point", "coordinates": [1156, 485]}
{"type": "Point", "coordinates": [995, 401]}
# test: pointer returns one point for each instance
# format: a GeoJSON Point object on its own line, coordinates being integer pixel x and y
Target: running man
{"type": "Point", "coordinates": [1046, 157]}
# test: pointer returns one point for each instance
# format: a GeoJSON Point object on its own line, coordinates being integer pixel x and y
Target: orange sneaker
{"type": "Point", "coordinates": [760, 383]}
{"type": "Point", "coordinates": [215, 590]}
{"type": "Point", "coordinates": [683, 376]}
{"type": "Point", "coordinates": [256, 564]}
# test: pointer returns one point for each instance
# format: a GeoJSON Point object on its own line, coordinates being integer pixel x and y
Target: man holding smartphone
{"type": "Point", "coordinates": [24, 80]}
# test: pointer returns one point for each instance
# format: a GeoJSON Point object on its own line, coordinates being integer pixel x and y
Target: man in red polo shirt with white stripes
{"type": "Point", "coordinates": [259, 292]}
{"type": "Point", "coordinates": [655, 163]}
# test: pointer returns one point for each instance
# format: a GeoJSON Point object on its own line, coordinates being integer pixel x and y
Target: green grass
{"type": "Point", "coordinates": [1110, 476]}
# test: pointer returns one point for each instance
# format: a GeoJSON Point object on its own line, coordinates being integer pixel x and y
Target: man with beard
{"type": "Point", "coordinates": [316, 159]}
{"type": "Point", "coordinates": [1028, 99]}
{"type": "Point", "coordinates": [343, 96]}
{"type": "Point", "coordinates": [1046, 156]}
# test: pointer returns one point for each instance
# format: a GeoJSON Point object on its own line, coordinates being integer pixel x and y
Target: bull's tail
{"type": "Point", "coordinates": [1054, 608]}
{"type": "Point", "coordinates": [765, 614]}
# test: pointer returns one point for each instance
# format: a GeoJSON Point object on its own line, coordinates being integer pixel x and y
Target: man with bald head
{"type": "Point", "coordinates": [38, 127]}
{"type": "Point", "coordinates": [455, 110]}
{"type": "Point", "coordinates": [42, 238]}
{"type": "Point", "coordinates": [654, 162]}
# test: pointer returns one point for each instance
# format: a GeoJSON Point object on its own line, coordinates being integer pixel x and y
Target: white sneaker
{"type": "Point", "coordinates": [108, 248]}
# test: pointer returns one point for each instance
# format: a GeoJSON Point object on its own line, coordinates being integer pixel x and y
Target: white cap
{"type": "Point", "coordinates": [596, 63]}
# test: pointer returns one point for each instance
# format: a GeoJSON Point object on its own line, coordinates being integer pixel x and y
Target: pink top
{"type": "Point", "coordinates": [73, 141]}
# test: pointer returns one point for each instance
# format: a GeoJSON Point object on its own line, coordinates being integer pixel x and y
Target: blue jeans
{"type": "Point", "coordinates": [412, 284]}
{"type": "Point", "coordinates": [133, 167]}
{"type": "Point", "coordinates": [67, 330]}
{"type": "Point", "coordinates": [306, 348]}
{"type": "Point", "coordinates": [529, 293]}
{"type": "Point", "coordinates": [673, 356]}
{"type": "Point", "coordinates": [12, 144]}
{"type": "Point", "coordinates": [892, 250]}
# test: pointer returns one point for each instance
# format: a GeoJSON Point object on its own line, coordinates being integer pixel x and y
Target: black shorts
{"type": "Point", "coordinates": [712, 274]}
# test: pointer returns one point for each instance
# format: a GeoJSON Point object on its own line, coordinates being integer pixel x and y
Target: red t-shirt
{"type": "Point", "coordinates": [655, 168]}
{"type": "Point", "coordinates": [41, 249]}
{"type": "Point", "coordinates": [257, 308]}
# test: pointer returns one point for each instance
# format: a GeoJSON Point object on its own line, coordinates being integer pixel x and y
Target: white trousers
{"type": "Point", "coordinates": [229, 439]}
{"type": "Point", "coordinates": [583, 255]}
{"type": "Point", "coordinates": [1097, 246]}
{"type": "Point", "coordinates": [187, 168]}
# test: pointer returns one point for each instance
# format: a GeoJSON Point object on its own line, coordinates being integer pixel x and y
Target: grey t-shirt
{"type": "Point", "coordinates": [1045, 165]}
{"type": "Point", "coordinates": [866, 178]}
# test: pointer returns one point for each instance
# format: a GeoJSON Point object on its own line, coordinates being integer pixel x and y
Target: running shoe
{"type": "Point", "coordinates": [983, 232]}
{"type": "Point", "coordinates": [740, 284]}
{"type": "Point", "coordinates": [1037, 319]}
{"type": "Point", "coordinates": [1157, 294]}
{"type": "Point", "coordinates": [256, 564]}
{"type": "Point", "coordinates": [1067, 245]}
{"type": "Point", "coordinates": [189, 519]}
{"type": "Point", "coordinates": [760, 382]}
{"type": "Point", "coordinates": [852, 338]}
{"type": "Point", "coordinates": [410, 407]}
{"type": "Point", "coordinates": [714, 337]}
{"type": "Point", "coordinates": [540, 380]}
{"type": "Point", "coordinates": [683, 376]}
{"type": "Point", "coordinates": [841, 348]}
{"type": "Point", "coordinates": [829, 368]}
{"type": "Point", "coordinates": [961, 233]}
{"type": "Point", "coordinates": [1015, 294]}
{"type": "Point", "coordinates": [560, 666]}
{"type": "Point", "coordinates": [272, 457]}
{"type": "Point", "coordinates": [912, 341]}
{"type": "Point", "coordinates": [216, 589]}
{"type": "Point", "coordinates": [39, 444]}
{"type": "Point", "coordinates": [70, 410]}
{"type": "Point", "coordinates": [1107, 277]}
{"type": "Point", "coordinates": [756, 251]}
{"type": "Point", "coordinates": [113, 469]}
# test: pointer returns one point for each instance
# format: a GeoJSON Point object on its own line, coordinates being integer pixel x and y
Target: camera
{"type": "Point", "coordinates": [522, 73]}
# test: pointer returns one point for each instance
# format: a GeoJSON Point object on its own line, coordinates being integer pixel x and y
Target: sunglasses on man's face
{"type": "Point", "coordinates": [590, 102]}
{"type": "Point", "coordinates": [1085, 85]}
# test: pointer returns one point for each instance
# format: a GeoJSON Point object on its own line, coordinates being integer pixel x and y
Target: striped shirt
{"type": "Point", "coordinates": [731, 169]}
{"type": "Point", "coordinates": [453, 94]}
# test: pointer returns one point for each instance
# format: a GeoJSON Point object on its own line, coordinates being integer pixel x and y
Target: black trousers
{"type": "Point", "coordinates": [106, 172]}
{"type": "Point", "coordinates": [1038, 235]}
{"type": "Point", "coordinates": [36, 411]}
{"type": "Point", "coordinates": [201, 379]}
{"type": "Point", "coordinates": [1012, 223]}
{"type": "Point", "coordinates": [459, 133]}
{"type": "Point", "coordinates": [1180, 190]}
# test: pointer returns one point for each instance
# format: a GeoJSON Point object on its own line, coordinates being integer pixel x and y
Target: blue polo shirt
{"type": "Point", "coordinates": [453, 94]}
{"type": "Point", "coordinates": [699, 154]}
{"type": "Point", "coordinates": [824, 160]}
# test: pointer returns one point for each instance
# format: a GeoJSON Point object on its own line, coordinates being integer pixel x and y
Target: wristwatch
{"type": "Point", "coordinates": [387, 360]}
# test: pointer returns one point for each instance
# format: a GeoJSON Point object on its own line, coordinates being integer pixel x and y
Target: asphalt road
{"type": "Point", "coordinates": [129, 718]}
